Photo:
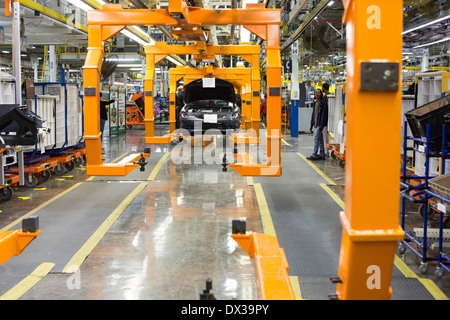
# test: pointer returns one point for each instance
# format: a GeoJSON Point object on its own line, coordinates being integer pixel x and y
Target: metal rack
{"type": "Point", "coordinates": [420, 193]}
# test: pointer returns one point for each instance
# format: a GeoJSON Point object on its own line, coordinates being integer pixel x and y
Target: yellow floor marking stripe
{"type": "Point", "coordinates": [40, 207]}
{"type": "Point", "coordinates": [158, 166]}
{"type": "Point", "coordinates": [296, 287]}
{"type": "Point", "coordinates": [285, 142]}
{"type": "Point", "coordinates": [264, 211]}
{"type": "Point", "coordinates": [121, 156]}
{"type": "Point", "coordinates": [269, 229]}
{"type": "Point", "coordinates": [250, 181]}
{"type": "Point", "coordinates": [429, 284]}
{"type": "Point", "coordinates": [323, 175]}
{"type": "Point", "coordinates": [28, 282]}
{"type": "Point", "coordinates": [90, 244]}
{"type": "Point", "coordinates": [333, 195]}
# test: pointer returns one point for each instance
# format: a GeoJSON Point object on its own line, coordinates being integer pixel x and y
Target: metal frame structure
{"type": "Point", "coordinates": [370, 233]}
{"type": "Point", "coordinates": [105, 23]}
{"type": "Point", "coordinates": [201, 51]}
{"type": "Point", "coordinates": [241, 78]}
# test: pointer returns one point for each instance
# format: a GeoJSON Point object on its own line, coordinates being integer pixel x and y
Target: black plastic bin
{"type": "Point", "coordinates": [432, 114]}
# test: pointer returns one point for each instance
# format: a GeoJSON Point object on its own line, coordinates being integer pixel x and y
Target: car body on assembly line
{"type": "Point", "coordinates": [210, 104]}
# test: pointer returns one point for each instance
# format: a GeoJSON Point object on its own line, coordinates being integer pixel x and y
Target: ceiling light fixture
{"type": "Point", "coordinates": [129, 65]}
{"type": "Point", "coordinates": [174, 61]}
{"type": "Point", "coordinates": [431, 43]}
{"type": "Point", "coordinates": [80, 4]}
{"type": "Point", "coordinates": [426, 24]}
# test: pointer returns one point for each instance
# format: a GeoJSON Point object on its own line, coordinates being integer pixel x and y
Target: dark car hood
{"type": "Point", "coordinates": [223, 90]}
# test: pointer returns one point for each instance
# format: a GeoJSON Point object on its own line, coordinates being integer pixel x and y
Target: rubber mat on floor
{"type": "Point", "coordinates": [307, 225]}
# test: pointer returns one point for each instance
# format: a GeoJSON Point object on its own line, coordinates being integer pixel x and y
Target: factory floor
{"type": "Point", "coordinates": [167, 230]}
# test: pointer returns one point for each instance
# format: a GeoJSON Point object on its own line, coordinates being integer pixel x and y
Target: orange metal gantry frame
{"type": "Point", "coordinates": [105, 23]}
{"type": "Point", "coordinates": [249, 84]}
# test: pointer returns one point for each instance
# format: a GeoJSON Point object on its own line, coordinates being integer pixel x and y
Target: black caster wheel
{"type": "Point", "coordinates": [59, 170]}
{"type": "Point", "coordinates": [45, 175]}
{"type": "Point", "coordinates": [439, 272]}
{"type": "Point", "coordinates": [423, 268]}
{"type": "Point", "coordinates": [6, 193]}
{"type": "Point", "coordinates": [342, 163]}
{"type": "Point", "coordinates": [69, 165]}
{"type": "Point", "coordinates": [421, 211]}
{"type": "Point", "coordinates": [31, 180]}
{"type": "Point", "coordinates": [78, 161]}
{"type": "Point", "coordinates": [333, 156]}
{"type": "Point", "coordinates": [401, 249]}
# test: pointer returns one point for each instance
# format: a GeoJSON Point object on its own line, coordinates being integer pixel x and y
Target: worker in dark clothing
{"type": "Point", "coordinates": [319, 120]}
{"type": "Point", "coordinates": [103, 113]}
{"type": "Point", "coordinates": [263, 110]}
{"type": "Point", "coordinates": [326, 92]}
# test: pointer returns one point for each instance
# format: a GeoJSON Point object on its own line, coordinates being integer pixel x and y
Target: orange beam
{"type": "Point", "coordinates": [196, 16]}
{"type": "Point", "coordinates": [271, 265]}
{"type": "Point", "coordinates": [12, 243]}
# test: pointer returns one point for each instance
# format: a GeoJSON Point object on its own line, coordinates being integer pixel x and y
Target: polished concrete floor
{"type": "Point", "coordinates": [175, 234]}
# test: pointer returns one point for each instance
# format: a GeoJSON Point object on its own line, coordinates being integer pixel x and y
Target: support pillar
{"type": "Point", "coordinates": [370, 232]}
{"type": "Point", "coordinates": [295, 90]}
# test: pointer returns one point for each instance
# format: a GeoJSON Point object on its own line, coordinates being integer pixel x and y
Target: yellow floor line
{"type": "Point", "coordinates": [323, 175]}
{"type": "Point", "coordinates": [296, 287]}
{"type": "Point", "coordinates": [158, 166]}
{"type": "Point", "coordinates": [90, 244]}
{"type": "Point", "coordinates": [264, 211]}
{"type": "Point", "coordinates": [285, 142]}
{"type": "Point", "coordinates": [429, 284]}
{"type": "Point", "coordinates": [333, 195]}
{"type": "Point", "coordinates": [270, 230]}
{"type": "Point", "coordinates": [119, 157]}
{"type": "Point", "coordinates": [250, 181]}
{"type": "Point", "coordinates": [28, 282]}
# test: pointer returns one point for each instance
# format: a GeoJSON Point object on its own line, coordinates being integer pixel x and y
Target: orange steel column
{"type": "Point", "coordinates": [371, 228]}
{"type": "Point", "coordinates": [91, 71]}
{"type": "Point", "coordinates": [172, 103]}
{"type": "Point", "coordinates": [148, 96]}
{"type": "Point", "coordinates": [273, 72]}
{"type": "Point", "coordinates": [248, 103]}
{"type": "Point", "coordinates": [256, 94]}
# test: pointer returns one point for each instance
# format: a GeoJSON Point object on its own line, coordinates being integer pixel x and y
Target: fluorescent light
{"type": "Point", "coordinates": [135, 69]}
{"type": "Point", "coordinates": [131, 35]}
{"type": "Point", "coordinates": [129, 66]}
{"type": "Point", "coordinates": [174, 61]}
{"type": "Point", "coordinates": [4, 51]}
{"type": "Point", "coordinates": [431, 43]}
{"type": "Point", "coordinates": [426, 24]}
{"type": "Point", "coordinates": [80, 4]}
{"type": "Point", "coordinates": [330, 3]}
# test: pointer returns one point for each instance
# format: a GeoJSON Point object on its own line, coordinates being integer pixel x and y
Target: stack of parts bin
{"type": "Point", "coordinates": [433, 114]}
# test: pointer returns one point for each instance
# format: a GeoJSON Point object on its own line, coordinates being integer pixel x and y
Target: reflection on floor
{"type": "Point", "coordinates": [175, 234]}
